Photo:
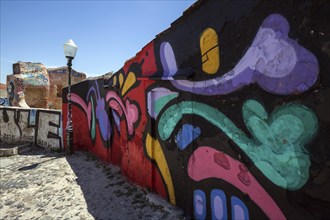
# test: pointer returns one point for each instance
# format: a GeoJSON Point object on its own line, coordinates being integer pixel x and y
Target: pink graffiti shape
{"type": "Point", "coordinates": [201, 166]}
{"type": "Point", "coordinates": [130, 110]}
{"type": "Point", "coordinates": [88, 109]}
{"type": "Point", "coordinates": [115, 106]}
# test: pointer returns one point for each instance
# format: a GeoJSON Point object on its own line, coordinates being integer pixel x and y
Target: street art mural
{"type": "Point", "coordinates": [275, 62]}
{"type": "Point", "coordinates": [278, 141]}
{"type": "Point", "coordinates": [16, 93]}
{"type": "Point", "coordinates": [40, 127]}
{"type": "Point", "coordinates": [224, 114]}
{"type": "Point", "coordinates": [95, 112]}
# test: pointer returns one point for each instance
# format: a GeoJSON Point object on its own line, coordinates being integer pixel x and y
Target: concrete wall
{"type": "Point", "coordinates": [39, 126]}
{"type": "Point", "coordinates": [225, 114]}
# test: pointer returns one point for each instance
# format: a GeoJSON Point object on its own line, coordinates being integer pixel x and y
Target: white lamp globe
{"type": "Point", "coordinates": [70, 49]}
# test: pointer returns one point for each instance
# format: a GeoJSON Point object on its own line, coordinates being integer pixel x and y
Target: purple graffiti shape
{"type": "Point", "coordinates": [200, 167]}
{"type": "Point", "coordinates": [168, 60]}
{"type": "Point", "coordinates": [101, 114]}
{"type": "Point", "coordinates": [275, 62]}
{"type": "Point", "coordinates": [116, 119]}
{"type": "Point", "coordinates": [129, 110]}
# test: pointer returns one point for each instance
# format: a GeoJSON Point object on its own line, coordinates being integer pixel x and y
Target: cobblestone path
{"type": "Point", "coordinates": [43, 185]}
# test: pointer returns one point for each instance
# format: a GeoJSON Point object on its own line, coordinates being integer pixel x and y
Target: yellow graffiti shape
{"type": "Point", "coordinates": [210, 51]}
{"type": "Point", "coordinates": [114, 81]}
{"type": "Point", "coordinates": [129, 82]}
{"type": "Point", "coordinates": [155, 152]}
{"type": "Point", "coordinates": [121, 80]}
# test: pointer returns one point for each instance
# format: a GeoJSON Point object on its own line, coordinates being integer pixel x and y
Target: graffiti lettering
{"type": "Point", "coordinates": [10, 130]}
{"type": "Point", "coordinates": [41, 127]}
{"type": "Point", "coordinates": [48, 135]}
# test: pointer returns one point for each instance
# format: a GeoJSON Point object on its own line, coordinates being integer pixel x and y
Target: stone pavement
{"type": "Point", "coordinates": [44, 185]}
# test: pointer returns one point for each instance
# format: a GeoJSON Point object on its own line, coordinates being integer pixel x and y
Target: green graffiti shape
{"type": "Point", "coordinates": [93, 132]}
{"type": "Point", "coordinates": [161, 102]}
{"type": "Point", "coordinates": [277, 146]}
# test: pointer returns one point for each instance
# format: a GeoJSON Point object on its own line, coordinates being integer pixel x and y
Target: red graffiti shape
{"type": "Point", "coordinates": [221, 159]}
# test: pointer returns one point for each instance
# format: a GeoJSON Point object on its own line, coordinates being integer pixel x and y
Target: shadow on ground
{"type": "Point", "coordinates": [109, 195]}
{"type": "Point", "coordinates": [35, 150]}
{"type": "Point", "coordinates": [106, 193]}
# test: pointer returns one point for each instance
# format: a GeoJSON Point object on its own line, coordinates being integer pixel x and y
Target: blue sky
{"type": "Point", "coordinates": [107, 33]}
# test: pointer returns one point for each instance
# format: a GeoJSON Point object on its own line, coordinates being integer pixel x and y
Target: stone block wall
{"type": "Point", "coordinates": [33, 85]}
{"type": "Point", "coordinates": [58, 80]}
{"type": "Point", "coordinates": [30, 82]}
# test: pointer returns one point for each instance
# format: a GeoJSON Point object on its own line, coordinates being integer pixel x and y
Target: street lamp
{"type": "Point", "coordinates": [70, 49]}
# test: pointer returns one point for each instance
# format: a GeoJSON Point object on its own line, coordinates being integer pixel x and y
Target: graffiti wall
{"type": "Point", "coordinates": [28, 86]}
{"type": "Point", "coordinates": [38, 126]}
{"type": "Point", "coordinates": [225, 114]}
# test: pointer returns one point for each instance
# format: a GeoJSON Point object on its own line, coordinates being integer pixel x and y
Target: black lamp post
{"type": "Point", "coordinates": [70, 49]}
